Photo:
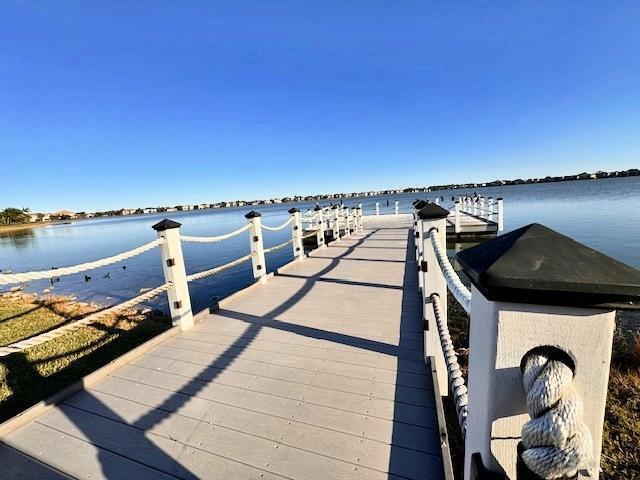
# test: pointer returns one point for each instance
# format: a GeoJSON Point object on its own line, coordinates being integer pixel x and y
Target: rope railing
{"type": "Point", "coordinates": [88, 320]}
{"type": "Point", "coordinates": [279, 227]}
{"type": "Point", "coordinates": [278, 247]}
{"type": "Point", "coordinates": [556, 441]}
{"type": "Point", "coordinates": [9, 278]}
{"type": "Point", "coordinates": [460, 292]}
{"type": "Point", "coordinates": [454, 374]}
{"type": "Point", "coordinates": [219, 238]}
{"type": "Point", "coordinates": [218, 269]}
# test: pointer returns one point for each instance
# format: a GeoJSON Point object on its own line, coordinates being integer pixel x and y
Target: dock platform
{"type": "Point", "coordinates": [317, 374]}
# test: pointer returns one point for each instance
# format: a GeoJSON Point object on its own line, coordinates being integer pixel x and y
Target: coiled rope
{"type": "Point", "coordinates": [456, 380]}
{"type": "Point", "coordinates": [219, 238]}
{"type": "Point", "coordinates": [279, 227]}
{"type": "Point", "coordinates": [556, 440]}
{"type": "Point", "coordinates": [278, 247]}
{"type": "Point", "coordinates": [215, 270]}
{"type": "Point", "coordinates": [458, 289]}
{"type": "Point", "coordinates": [8, 278]}
{"type": "Point", "coordinates": [94, 317]}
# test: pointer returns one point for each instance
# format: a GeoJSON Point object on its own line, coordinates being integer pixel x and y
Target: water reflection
{"type": "Point", "coordinates": [18, 238]}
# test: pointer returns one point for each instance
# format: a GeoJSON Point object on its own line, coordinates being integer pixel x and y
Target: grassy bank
{"type": "Point", "coordinates": [621, 438]}
{"type": "Point", "coordinates": [12, 227]}
{"type": "Point", "coordinates": [36, 373]}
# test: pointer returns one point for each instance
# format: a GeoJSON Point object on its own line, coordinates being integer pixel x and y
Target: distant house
{"type": "Point", "coordinates": [171, 209]}
{"type": "Point", "coordinates": [128, 211]}
{"type": "Point", "coordinates": [63, 215]}
{"type": "Point", "coordinates": [150, 210]}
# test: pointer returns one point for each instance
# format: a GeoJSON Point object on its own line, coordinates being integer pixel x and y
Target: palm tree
{"type": "Point", "coordinates": [14, 215]}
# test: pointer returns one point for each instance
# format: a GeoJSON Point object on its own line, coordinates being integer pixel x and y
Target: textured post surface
{"type": "Point", "coordinates": [500, 214]}
{"type": "Point", "coordinates": [296, 234]}
{"type": "Point", "coordinates": [432, 221]}
{"type": "Point", "coordinates": [257, 246]}
{"type": "Point", "coordinates": [532, 288]}
{"type": "Point", "coordinates": [320, 227]}
{"type": "Point", "coordinates": [490, 208]}
{"type": "Point", "coordinates": [456, 225]}
{"type": "Point", "coordinates": [174, 272]}
{"type": "Point", "coordinates": [377, 208]}
{"type": "Point", "coordinates": [396, 207]}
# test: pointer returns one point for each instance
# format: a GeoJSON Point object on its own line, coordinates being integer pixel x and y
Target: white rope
{"type": "Point", "coordinates": [70, 327]}
{"type": "Point", "coordinates": [219, 238]}
{"type": "Point", "coordinates": [8, 278]}
{"type": "Point", "coordinates": [278, 247]}
{"type": "Point", "coordinates": [312, 233]}
{"type": "Point", "coordinates": [215, 270]}
{"type": "Point", "coordinates": [456, 380]}
{"type": "Point", "coordinates": [557, 442]}
{"type": "Point", "coordinates": [280, 227]}
{"type": "Point", "coordinates": [458, 289]}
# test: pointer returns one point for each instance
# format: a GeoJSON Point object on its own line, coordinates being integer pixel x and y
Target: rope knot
{"type": "Point", "coordinates": [556, 440]}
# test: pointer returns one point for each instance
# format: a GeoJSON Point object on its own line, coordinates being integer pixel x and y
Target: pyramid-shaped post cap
{"type": "Point", "coordinates": [293, 210]}
{"type": "Point", "coordinates": [432, 211]}
{"type": "Point", "coordinates": [334, 207]}
{"type": "Point", "coordinates": [537, 265]}
{"type": "Point", "coordinates": [318, 208]}
{"type": "Point", "coordinates": [166, 224]}
{"type": "Point", "coordinates": [252, 214]}
{"type": "Point", "coordinates": [420, 204]}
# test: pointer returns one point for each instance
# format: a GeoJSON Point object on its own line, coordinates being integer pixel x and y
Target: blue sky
{"type": "Point", "coordinates": [121, 103]}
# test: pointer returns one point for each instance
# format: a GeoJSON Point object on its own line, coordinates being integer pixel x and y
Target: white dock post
{"type": "Point", "coordinates": [174, 272]}
{"type": "Point", "coordinates": [474, 206]}
{"type": "Point", "coordinates": [347, 222]}
{"type": "Point", "coordinates": [520, 307]}
{"type": "Point", "coordinates": [437, 200]}
{"type": "Point", "coordinates": [433, 221]}
{"type": "Point", "coordinates": [257, 246]}
{"type": "Point", "coordinates": [320, 226]}
{"type": "Point", "coordinates": [360, 226]}
{"type": "Point", "coordinates": [500, 214]}
{"type": "Point", "coordinates": [456, 225]}
{"type": "Point", "coordinates": [335, 226]}
{"type": "Point", "coordinates": [377, 208]}
{"type": "Point", "coordinates": [490, 209]}
{"type": "Point", "coordinates": [296, 234]}
{"type": "Point", "coordinates": [396, 207]}
{"type": "Point", "coordinates": [482, 213]}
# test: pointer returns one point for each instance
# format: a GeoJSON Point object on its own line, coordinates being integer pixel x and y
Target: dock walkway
{"type": "Point", "coordinates": [317, 374]}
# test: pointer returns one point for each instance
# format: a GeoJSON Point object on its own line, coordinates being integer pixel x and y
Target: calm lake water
{"type": "Point", "coordinates": [604, 214]}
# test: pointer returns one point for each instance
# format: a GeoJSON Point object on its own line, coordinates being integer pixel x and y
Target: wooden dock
{"type": "Point", "coordinates": [317, 374]}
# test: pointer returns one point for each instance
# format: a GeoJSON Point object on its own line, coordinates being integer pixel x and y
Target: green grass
{"type": "Point", "coordinates": [621, 438]}
{"type": "Point", "coordinates": [36, 373]}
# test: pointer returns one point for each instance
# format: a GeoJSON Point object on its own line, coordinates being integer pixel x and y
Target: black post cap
{"type": "Point", "coordinates": [293, 210]}
{"type": "Point", "coordinates": [252, 214]}
{"type": "Point", "coordinates": [334, 207]}
{"type": "Point", "coordinates": [537, 265]}
{"type": "Point", "coordinates": [420, 204]}
{"type": "Point", "coordinates": [318, 208]}
{"type": "Point", "coordinates": [166, 224]}
{"type": "Point", "coordinates": [432, 211]}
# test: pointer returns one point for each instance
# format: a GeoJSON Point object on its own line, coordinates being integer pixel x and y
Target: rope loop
{"type": "Point", "coordinates": [556, 440]}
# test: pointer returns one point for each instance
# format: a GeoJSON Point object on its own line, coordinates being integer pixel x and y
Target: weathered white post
{"type": "Point", "coordinates": [174, 272]}
{"type": "Point", "coordinates": [320, 227]}
{"type": "Point", "coordinates": [433, 221]}
{"type": "Point", "coordinates": [377, 208]}
{"type": "Point", "coordinates": [347, 222]}
{"type": "Point", "coordinates": [483, 214]}
{"type": "Point", "coordinates": [500, 214]}
{"type": "Point", "coordinates": [456, 224]}
{"type": "Point", "coordinates": [474, 205]}
{"type": "Point", "coordinates": [396, 207]}
{"type": "Point", "coordinates": [417, 205]}
{"type": "Point", "coordinates": [359, 224]}
{"type": "Point", "coordinates": [437, 200]}
{"type": "Point", "coordinates": [335, 232]}
{"type": "Point", "coordinates": [257, 246]}
{"type": "Point", "coordinates": [490, 209]}
{"type": "Point", "coordinates": [296, 234]}
{"type": "Point", "coordinates": [540, 298]}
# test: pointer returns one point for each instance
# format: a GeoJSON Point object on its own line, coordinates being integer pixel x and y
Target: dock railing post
{"type": "Point", "coordinates": [490, 209]}
{"type": "Point", "coordinates": [377, 208]}
{"type": "Point", "coordinates": [347, 222]}
{"type": "Point", "coordinates": [482, 212]}
{"type": "Point", "coordinates": [174, 272]}
{"type": "Point", "coordinates": [432, 220]}
{"type": "Point", "coordinates": [538, 326]}
{"type": "Point", "coordinates": [320, 226]}
{"type": "Point", "coordinates": [396, 207]}
{"type": "Point", "coordinates": [335, 224]}
{"type": "Point", "coordinates": [296, 234]}
{"type": "Point", "coordinates": [500, 214]}
{"type": "Point", "coordinates": [474, 206]}
{"type": "Point", "coordinates": [360, 226]}
{"type": "Point", "coordinates": [456, 220]}
{"type": "Point", "coordinates": [257, 246]}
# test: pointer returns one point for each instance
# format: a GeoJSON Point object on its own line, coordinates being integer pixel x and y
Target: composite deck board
{"type": "Point", "coordinates": [317, 374]}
